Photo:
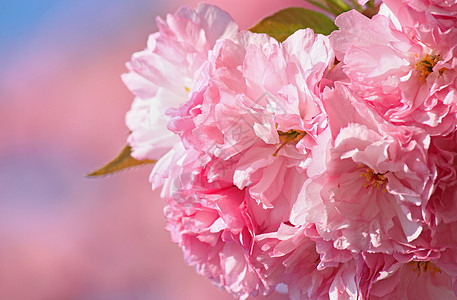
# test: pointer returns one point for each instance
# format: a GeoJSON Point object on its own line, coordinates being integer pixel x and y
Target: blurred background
{"type": "Point", "coordinates": [62, 107]}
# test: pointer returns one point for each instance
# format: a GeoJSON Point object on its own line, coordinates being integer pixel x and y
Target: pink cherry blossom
{"type": "Point", "coordinates": [443, 201]}
{"type": "Point", "coordinates": [259, 100]}
{"type": "Point", "coordinates": [253, 94]}
{"type": "Point", "coordinates": [415, 13]}
{"type": "Point", "coordinates": [254, 89]}
{"type": "Point", "coordinates": [383, 277]}
{"type": "Point", "coordinates": [215, 222]}
{"type": "Point", "coordinates": [295, 259]}
{"type": "Point", "coordinates": [368, 181]}
{"type": "Point", "coordinates": [210, 221]}
{"type": "Point", "coordinates": [408, 79]}
{"type": "Point", "coordinates": [285, 169]}
{"type": "Point", "coordinates": [214, 239]}
{"type": "Point", "coordinates": [162, 75]}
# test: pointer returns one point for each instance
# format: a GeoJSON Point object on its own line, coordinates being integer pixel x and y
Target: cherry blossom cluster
{"type": "Point", "coordinates": [323, 167]}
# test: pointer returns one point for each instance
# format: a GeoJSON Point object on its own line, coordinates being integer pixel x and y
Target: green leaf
{"type": "Point", "coordinates": [335, 7]}
{"type": "Point", "coordinates": [318, 4]}
{"type": "Point", "coordinates": [285, 22]}
{"type": "Point", "coordinates": [123, 161]}
{"type": "Point", "coordinates": [338, 7]}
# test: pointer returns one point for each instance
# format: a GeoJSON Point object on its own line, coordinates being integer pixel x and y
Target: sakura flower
{"type": "Point", "coordinates": [210, 222]}
{"type": "Point", "coordinates": [368, 181]}
{"type": "Point", "coordinates": [260, 101]}
{"type": "Point", "coordinates": [443, 201]}
{"type": "Point", "coordinates": [162, 75]}
{"type": "Point", "coordinates": [414, 13]}
{"type": "Point", "coordinates": [408, 78]}
{"type": "Point", "coordinates": [293, 259]}
{"type": "Point", "coordinates": [214, 240]}
{"type": "Point", "coordinates": [440, 211]}
{"type": "Point", "coordinates": [256, 89]}
{"type": "Point", "coordinates": [216, 222]}
{"type": "Point", "coordinates": [281, 170]}
{"type": "Point", "coordinates": [383, 277]}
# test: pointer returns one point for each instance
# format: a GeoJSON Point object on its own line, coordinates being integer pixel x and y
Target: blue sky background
{"type": "Point", "coordinates": [62, 108]}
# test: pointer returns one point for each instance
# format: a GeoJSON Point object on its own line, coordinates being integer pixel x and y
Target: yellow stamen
{"type": "Point", "coordinates": [424, 266]}
{"type": "Point", "coordinates": [426, 64]}
{"type": "Point", "coordinates": [291, 136]}
{"type": "Point", "coordinates": [373, 179]}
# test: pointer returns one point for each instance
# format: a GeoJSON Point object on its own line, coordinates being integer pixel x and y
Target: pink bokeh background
{"type": "Point", "coordinates": [62, 107]}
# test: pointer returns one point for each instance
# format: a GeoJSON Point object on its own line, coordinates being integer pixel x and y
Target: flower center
{"type": "Point", "coordinates": [424, 266]}
{"type": "Point", "coordinates": [291, 136]}
{"type": "Point", "coordinates": [426, 64]}
{"type": "Point", "coordinates": [373, 179]}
